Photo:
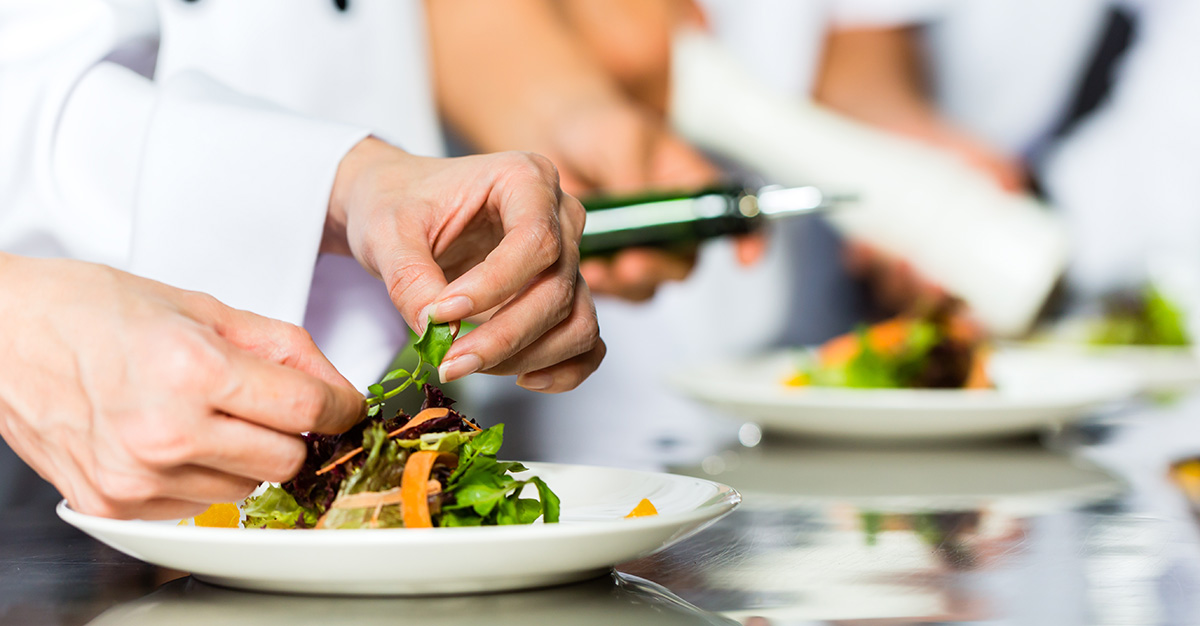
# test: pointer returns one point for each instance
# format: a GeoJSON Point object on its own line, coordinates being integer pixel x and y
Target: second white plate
{"type": "Point", "coordinates": [592, 536]}
{"type": "Point", "coordinates": [1033, 391]}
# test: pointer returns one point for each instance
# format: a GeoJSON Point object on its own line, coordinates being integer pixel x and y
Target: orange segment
{"type": "Point", "coordinates": [1187, 476]}
{"type": "Point", "coordinates": [645, 508]}
{"type": "Point", "coordinates": [799, 379]}
{"type": "Point", "coordinates": [221, 515]}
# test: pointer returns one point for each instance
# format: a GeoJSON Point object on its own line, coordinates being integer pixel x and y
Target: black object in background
{"type": "Point", "coordinates": [684, 218]}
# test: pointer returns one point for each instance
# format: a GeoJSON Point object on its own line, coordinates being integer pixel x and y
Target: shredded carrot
{"type": "Point", "coordinates": [423, 416]}
{"type": "Point", "coordinates": [890, 336]}
{"type": "Point", "coordinates": [367, 499]}
{"type": "Point", "coordinates": [886, 337]}
{"type": "Point", "coordinates": [978, 378]}
{"type": "Point", "coordinates": [414, 486]}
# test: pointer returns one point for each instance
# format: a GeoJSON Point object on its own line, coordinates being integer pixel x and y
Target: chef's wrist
{"type": "Point", "coordinates": [9, 271]}
{"type": "Point", "coordinates": [353, 173]}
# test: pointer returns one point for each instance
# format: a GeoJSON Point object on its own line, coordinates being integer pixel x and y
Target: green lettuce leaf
{"type": "Point", "coordinates": [434, 343]}
{"type": "Point", "coordinates": [484, 493]}
{"type": "Point", "coordinates": [551, 505]}
{"type": "Point", "coordinates": [276, 508]}
{"type": "Point", "coordinates": [383, 467]}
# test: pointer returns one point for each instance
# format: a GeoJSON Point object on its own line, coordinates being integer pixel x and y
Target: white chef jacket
{"type": "Point", "coordinates": [210, 167]}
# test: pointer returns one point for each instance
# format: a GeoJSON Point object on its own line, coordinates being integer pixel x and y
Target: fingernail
{"type": "Point", "coordinates": [536, 381]}
{"type": "Point", "coordinates": [459, 367]}
{"type": "Point", "coordinates": [423, 320]}
{"type": "Point", "coordinates": [452, 309]}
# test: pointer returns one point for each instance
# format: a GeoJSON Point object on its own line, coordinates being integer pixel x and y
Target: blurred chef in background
{"type": "Point", "coordinates": [242, 149]}
{"type": "Point", "coordinates": [1086, 110]}
{"type": "Point", "coordinates": [862, 58]}
{"type": "Point", "coordinates": [485, 57]}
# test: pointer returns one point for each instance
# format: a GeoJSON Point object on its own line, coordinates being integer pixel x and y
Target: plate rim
{"type": "Point", "coordinates": [776, 394]}
{"type": "Point", "coordinates": [720, 504]}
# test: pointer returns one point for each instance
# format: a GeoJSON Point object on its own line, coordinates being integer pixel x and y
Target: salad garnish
{"type": "Point", "coordinates": [436, 468]}
{"type": "Point", "coordinates": [936, 350]}
{"type": "Point", "coordinates": [1147, 318]}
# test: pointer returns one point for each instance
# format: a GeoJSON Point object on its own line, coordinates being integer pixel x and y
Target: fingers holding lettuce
{"type": "Point", "coordinates": [136, 399]}
{"type": "Point", "coordinates": [490, 237]}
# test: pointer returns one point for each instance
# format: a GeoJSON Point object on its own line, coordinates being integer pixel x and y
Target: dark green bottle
{"type": "Point", "coordinates": [675, 219]}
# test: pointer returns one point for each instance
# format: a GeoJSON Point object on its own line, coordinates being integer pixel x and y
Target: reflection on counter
{"type": "Point", "coordinates": [828, 535]}
{"type": "Point", "coordinates": [1018, 475]}
{"type": "Point", "coordinates": [614, 599]}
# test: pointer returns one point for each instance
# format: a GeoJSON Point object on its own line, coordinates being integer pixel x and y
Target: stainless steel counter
{"type": "Point", "coordinates": [1080, 527]}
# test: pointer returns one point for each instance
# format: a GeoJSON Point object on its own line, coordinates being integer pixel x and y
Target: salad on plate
{"type": "Point", "coordinates": [936, 350]}
{"type": "Point", "coordinates": [436, 468]}
{"type": "Point", "coordinates": [1146, 318]}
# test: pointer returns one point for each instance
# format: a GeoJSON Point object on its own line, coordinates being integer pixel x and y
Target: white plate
{"type": "Point", "coordinates": [1160, 368]}
{"type": "Point", "coordinates": [592, 536]}
{"type": "Point", "coordinates": [1033, 391]}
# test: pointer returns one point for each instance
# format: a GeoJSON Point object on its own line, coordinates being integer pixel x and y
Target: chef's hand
{"type": "Point", "coordinates": [893, 283]}
{"type": "Point", "coordinates": [136, 399]}
{"type": "Point", "coordinates": [617, 147]}
{"type": "Point", "coordinates": [455, 238]}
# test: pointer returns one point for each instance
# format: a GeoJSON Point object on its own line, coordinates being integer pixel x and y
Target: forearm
{"type": "Point", "coordinates": [876, 75]}
{"type": "Point", "coordinates": [505, 71]}
{"type": "Point", "coordinates": [631, 39]}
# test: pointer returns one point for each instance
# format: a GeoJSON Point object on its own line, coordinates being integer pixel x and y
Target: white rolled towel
{"type": "Point", "coordinates": [998, 251]}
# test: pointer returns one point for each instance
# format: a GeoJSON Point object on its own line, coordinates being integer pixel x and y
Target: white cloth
{"type": "Point", "coordinates": [214, 174]}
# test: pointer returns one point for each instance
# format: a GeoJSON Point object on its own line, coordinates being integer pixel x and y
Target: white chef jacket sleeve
{"type": "Point", "coordinates": [184, 181]}
{"type": "Point", "coordinates": [233, 195]}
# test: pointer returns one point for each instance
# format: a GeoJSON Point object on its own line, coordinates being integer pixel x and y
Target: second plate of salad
{"type": "Point", "coordinates": [917, 378]}
{"type": "Point", "coordinates": [1144, 331]}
